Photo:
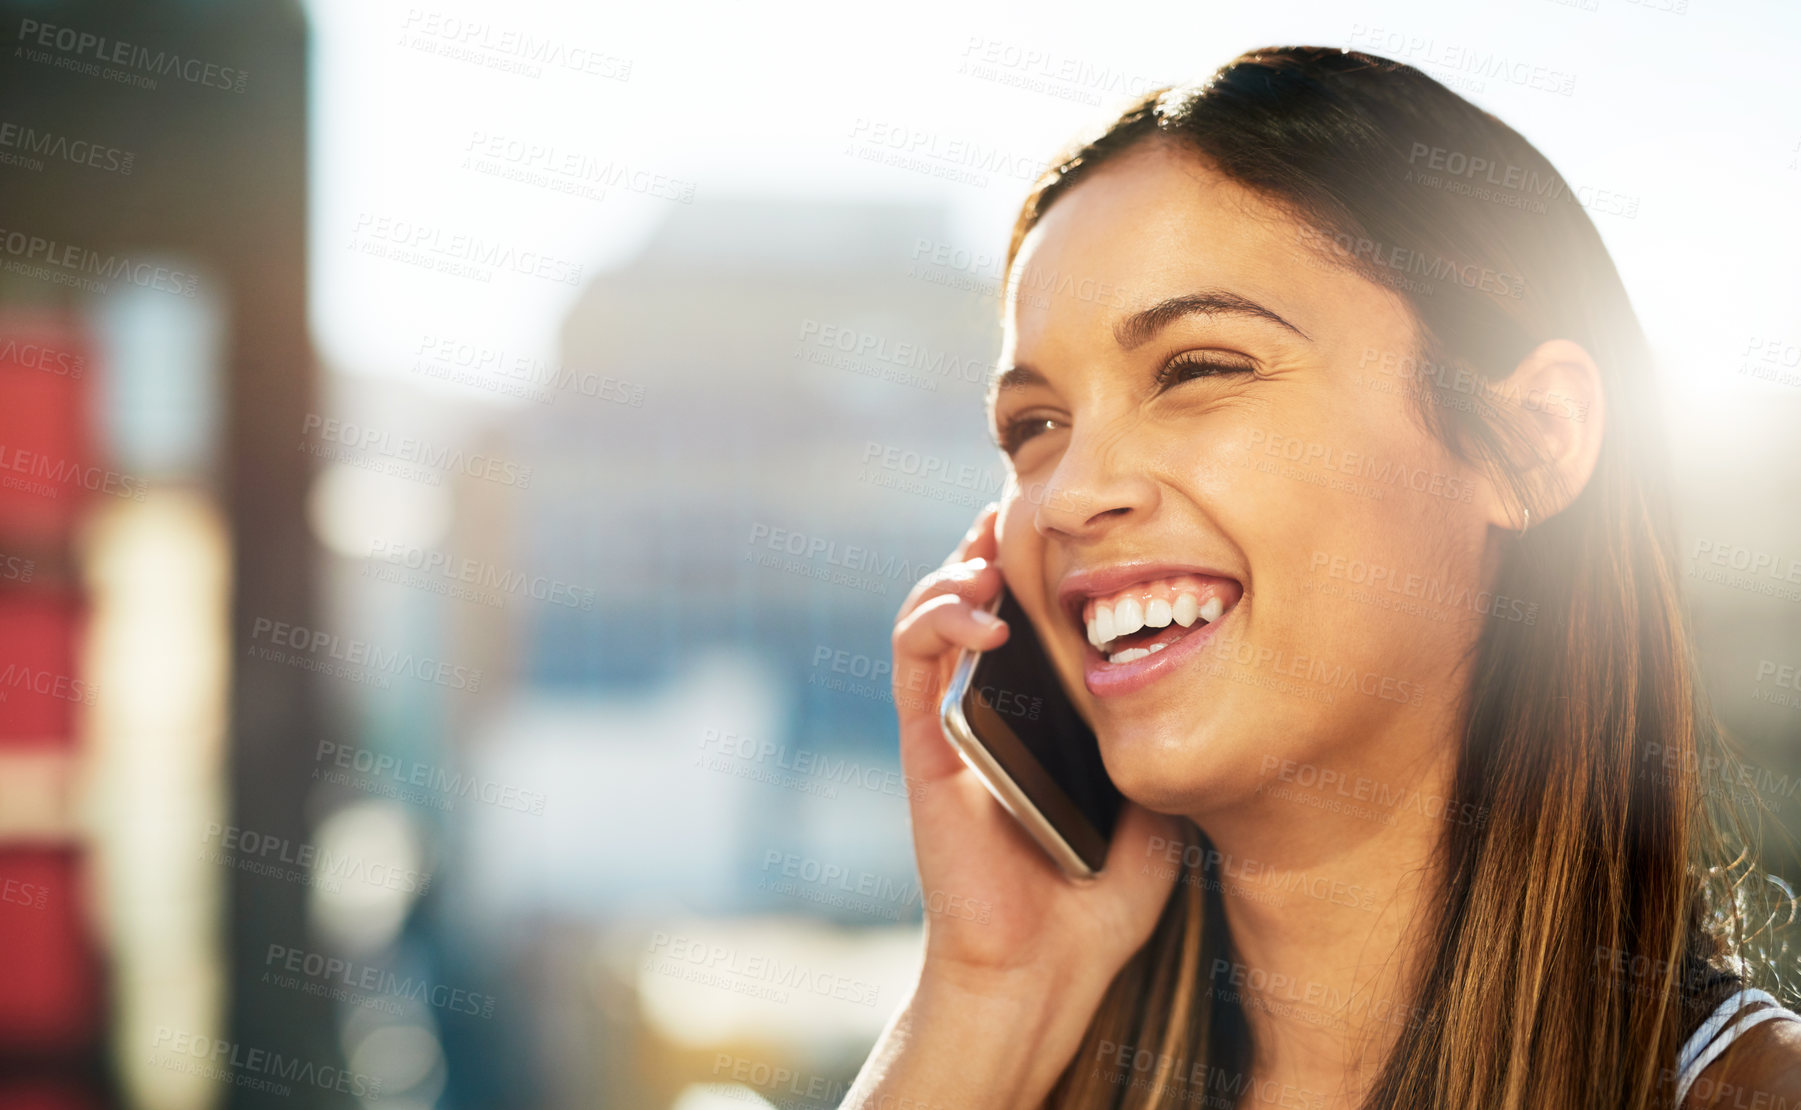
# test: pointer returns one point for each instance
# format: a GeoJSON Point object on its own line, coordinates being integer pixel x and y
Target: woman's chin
{"type": "Point", "coordinates": [1170, 769]}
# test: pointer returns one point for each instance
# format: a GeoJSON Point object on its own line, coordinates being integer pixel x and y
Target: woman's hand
{"type": "Point", "coordinates": [1017, 956]}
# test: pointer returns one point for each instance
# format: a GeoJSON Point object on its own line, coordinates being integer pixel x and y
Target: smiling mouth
{"type": "Point", "coordinates": [1146, 617]}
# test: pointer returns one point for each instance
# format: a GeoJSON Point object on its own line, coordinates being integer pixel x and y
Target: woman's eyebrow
{"type": "Point", "coordinates": [1138, 328]}
{"type": "Point", "coordinates": [1017, 376]}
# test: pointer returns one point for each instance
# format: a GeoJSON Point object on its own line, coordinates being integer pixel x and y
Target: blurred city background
{"type": "Point", "coordinates": [461, 462]}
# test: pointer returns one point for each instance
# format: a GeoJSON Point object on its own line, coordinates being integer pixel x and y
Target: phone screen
{"type": "Point", "coordinates": [1017, 708]}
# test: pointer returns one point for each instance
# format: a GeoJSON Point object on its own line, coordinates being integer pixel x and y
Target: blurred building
{"type": "Point", "coordinates": [733, 387]}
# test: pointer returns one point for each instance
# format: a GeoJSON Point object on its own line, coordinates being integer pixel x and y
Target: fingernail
{"type": "Point", "coordinates": [983, 616]}
{"type": "Point", "coordinates": [992, 506]}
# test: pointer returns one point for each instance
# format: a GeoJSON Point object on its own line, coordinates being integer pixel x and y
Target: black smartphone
{"type": "Point", "coordinates": [1008, 716]}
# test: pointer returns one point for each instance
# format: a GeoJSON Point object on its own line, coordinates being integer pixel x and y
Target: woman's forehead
{"type": "Point", "coordinates": [1162, 223]}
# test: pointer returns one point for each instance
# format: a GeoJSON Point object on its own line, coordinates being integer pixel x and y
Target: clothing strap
{"type": "Point", "coordinates": [1708, 1042]}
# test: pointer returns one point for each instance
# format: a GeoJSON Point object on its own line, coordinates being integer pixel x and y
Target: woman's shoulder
{"type": "Point", "coordinates": [1760, 1068]}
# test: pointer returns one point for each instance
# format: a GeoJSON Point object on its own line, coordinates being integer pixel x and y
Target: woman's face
{"type": "Point", "coordinates": [1213, 434]}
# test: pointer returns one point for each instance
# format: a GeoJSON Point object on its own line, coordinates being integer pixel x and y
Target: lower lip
{"type": "Point", "coordinates": [1107, 680]}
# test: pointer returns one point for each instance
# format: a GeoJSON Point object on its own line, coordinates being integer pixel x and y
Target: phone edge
{"type": "Point", "coordinates": [1000, 784]}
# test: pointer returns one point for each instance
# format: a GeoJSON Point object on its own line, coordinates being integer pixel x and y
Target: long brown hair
{"type": "Point", "coordinates": [1600, 848]}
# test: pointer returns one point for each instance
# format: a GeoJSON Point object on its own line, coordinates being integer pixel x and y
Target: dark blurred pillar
{"type": "Point", "coordinates": [221, 177]}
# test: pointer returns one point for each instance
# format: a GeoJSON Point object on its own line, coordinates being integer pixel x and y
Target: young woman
{"type": "Point", "coordinates": [1338, 507]}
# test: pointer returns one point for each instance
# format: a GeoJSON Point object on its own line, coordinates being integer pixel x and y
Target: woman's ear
{"type": "Point", "coordinates": [1553, 404]}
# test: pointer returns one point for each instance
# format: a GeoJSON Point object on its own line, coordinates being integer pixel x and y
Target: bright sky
{"type": "Point", "coordinates": [1692, 113]}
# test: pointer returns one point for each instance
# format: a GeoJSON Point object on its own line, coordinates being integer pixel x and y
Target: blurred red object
{"type": "Point", "coordinates": [52, 988]}
{"type": "Point", "coordinates": [40, 691]}
{"type": "Point", "coordinates": [46, 1096]}
{"type": "Point", "coordinates": [46, 463]}
{"type": "Point", "coordinates": [49, 982]}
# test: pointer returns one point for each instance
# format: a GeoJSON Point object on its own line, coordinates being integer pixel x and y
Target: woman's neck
{"type": "Point", "coordinates": [1327, 882]}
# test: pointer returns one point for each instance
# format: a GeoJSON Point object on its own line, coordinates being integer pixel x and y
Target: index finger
{"type": "Point", "coordinates": [986, 545]}
{"type": "Point", "coordinates": [979, 541]}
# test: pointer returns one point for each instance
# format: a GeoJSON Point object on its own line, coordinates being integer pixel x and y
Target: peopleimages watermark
{"type": "Point", "coordinates": [839, 887]}
{"type": "Point", "coordinates": [39, 356]}
{"type": "Point", "coordinates": [1401, 590]}
{"type": "Point", "coordinates": [455, 253]}
{"type": "Point", "coordinates": [1712, 1090]}
{"type": "Point", "coordinates": [1421, 376]}
{"type": "Point", "coordinates": [79, 267]}
{"type": "Point", "coordinates": [16, 568]}
{"type": "Point", "coordinates": [279, 857]}
{"type": "Point", "coordinates": [506, 49]}
{"type": "Point", "coordinates": [33, 896]}
{"type": "Point", "coordinates": [1772, 359]}
{"type": "Point", "coordinates": [478, 365]}
{"type": "Point", "coordinates": [876, 356]}
{"type": "Point", "coordinates": [853, 566]}
{"type": "Point", "coordinates": [774, 1083]}
{"type": "Point", "coordinates": [1348, 471]}
{"type": "Point", "coordinates": [1720, 776]}
{"type": "Point", "coordinates": [1482, 178]}
{"type": "Point", "coordinates": [404, 456]}
{"type": "Point", "coordinates": [42, 475]}
{"type": "Point", "coordinates": [363, 985]}
{"type": "Point", "coordinates": [1645, 974]}
{"type": "Point", "coordinates": [800, 769]}
{"type": "Point", "coordinates": [1787, 676]}
{"type": "Point", "coordinates": [1308, 1000]}
{"type": "Point", "coordinates": [26, 147]}
{"type": "Point", "coordinates": [1196, 1082]}
{"type": "Point", "coordinates": [354, 660]}
{"type": "Point", "coordinates": [1258, 880]}
{"type": "Point", "coordinates": [938, 479]}
{"type": "Point", "coordinates": [980, 273]}
{"type": "Point", "coordinates": [936, 154]}
{"type": "Point", "coordinates": [1346, 790]}
{"type": "Point", "coordinates": [561, 170]}
{"type": "Point", "coordinates": [440, 787]}
{"type": "Point", "coordinates": [1042, 71]}
{"type": "Point", "coordinates": [756, 975]}
{"type": "Point", "coordinates": [912, 463]}
{"type": "Point", "coordinates": [24, 678]}
{"type": "Point", "coordinates": [865, 676]}
{"type": "Point", "coordinates": [128, 64]}
{"type": "Point", "coordinates": [1747, 569]}
{"type": "Point", "coordinates": [1397, 266]}
{"type": "Point", "coordinates": [257, 1069]}
{"type": "Point", "coordinates": [1320, 679]}
{"type": "Point", "coordinates": [469, 579]}
{"type": "Point", "coordinates": [1464, 68]}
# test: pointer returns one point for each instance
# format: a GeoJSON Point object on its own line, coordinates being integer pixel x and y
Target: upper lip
{"type": "Point", "coordinates": [1080, 585]}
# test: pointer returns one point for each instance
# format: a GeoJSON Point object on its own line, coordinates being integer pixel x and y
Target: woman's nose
{"type": "Point", "coordinates": [1098, 484]}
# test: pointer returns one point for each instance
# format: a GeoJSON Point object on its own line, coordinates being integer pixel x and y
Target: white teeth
{"type": "Point", "coordinates": [1130, 614]}
{"type": "Point", "coordinates": [1128, 617]}
{"type": "Point", "coordinates": [1157, 647]}
{"type": "Point", "coordinates": [1127, 655]}
{"type": "Point", "coordinates": [1103, 625]}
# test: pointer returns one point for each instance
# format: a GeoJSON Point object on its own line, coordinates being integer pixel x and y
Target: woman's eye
{"type": "Point", "coordinates": [1014, 435]}
{"type": "Point", "coordinates": [1201, 365]}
